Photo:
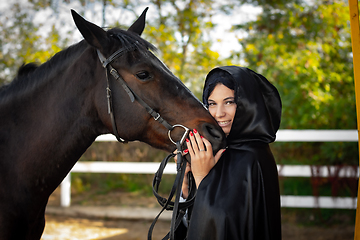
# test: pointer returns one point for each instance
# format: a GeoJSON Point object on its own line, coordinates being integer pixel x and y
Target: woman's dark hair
{"type": "Point", "coordinates": [214, 79]}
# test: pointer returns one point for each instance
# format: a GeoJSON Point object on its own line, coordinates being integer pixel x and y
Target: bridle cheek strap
{"type": "Point", "coordinates": [111, 112]}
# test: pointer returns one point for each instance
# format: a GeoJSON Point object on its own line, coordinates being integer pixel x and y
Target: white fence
{"type": "Point", "coordinates": [284, 170]}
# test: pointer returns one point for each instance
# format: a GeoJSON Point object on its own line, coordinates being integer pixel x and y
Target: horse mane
{"type": "Point", "coordinates": [26, 69]}
{"type": "Point", "coordinates": [31, 75]}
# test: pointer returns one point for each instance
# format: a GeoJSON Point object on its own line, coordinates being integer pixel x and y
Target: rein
{"type": "Point", "coordinates": [179, 209]}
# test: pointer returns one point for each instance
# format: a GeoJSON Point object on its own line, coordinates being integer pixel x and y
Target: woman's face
{"type": "Point", "coordinates": [222, 106]}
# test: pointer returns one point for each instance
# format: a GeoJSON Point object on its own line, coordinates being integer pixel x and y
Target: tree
{"type": "Point", "coordinates": [21, 43]}
{"type": "Point", "coordinates": [305, 50]}
{"type": "Point", "coordinates": [178, 28]}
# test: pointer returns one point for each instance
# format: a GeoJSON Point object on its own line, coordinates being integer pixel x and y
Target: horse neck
{"type": "Point", "coordinates": [55, 123]}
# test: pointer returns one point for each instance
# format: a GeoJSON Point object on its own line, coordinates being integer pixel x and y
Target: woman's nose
{"type": "Point", "coordinates": [220, 111]}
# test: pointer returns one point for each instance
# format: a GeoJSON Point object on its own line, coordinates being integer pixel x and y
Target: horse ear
{"type": "Point", "coordinates": [92, 33]}
{"type": "Point", "coordinates": [139, 25]}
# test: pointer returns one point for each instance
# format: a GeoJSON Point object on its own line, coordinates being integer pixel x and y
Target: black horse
{"type": "Point", "coordinates": [50, 114]}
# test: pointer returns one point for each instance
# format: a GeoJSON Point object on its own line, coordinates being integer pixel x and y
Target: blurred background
{"type": "Point", "coordinates": [302, 47]}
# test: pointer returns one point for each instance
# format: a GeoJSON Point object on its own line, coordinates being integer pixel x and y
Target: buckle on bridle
{"type": "Point", "coordinates": [157, 117]}
{"type": "Point", "coordinates": [184, 135]}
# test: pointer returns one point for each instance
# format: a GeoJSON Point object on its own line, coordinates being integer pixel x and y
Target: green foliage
{"type": "Point", "coordinates": [181, 33]}
{"type": "Point", "coordinates": [182, 36]}
{"type": "Point", "coordinates": [20, 42]}
{"type": "Point", "coordinates": [103, 183]}
{"type": "Point", "coordinates": [308, 153]}
{"type": "Point", "coordinates": [299, 186]}
{"type": "Point", "coordinates": [305, 51]}
{"type": "Point", "coordinates": [320, 217]}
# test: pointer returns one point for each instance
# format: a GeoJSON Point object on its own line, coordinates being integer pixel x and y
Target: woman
{"type": "Point", "coordinates": [238, 191]}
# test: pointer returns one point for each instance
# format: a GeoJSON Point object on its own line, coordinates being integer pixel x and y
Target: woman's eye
{"type": "Point", "coordinates": [230, 102]}
{"type": "Point", "coordinates": [143, 75]}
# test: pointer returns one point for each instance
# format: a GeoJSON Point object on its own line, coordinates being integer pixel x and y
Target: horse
{"type": "Point", "coordinates": [109, 82]}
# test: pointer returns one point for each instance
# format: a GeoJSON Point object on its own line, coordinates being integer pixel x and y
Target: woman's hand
{"type": "Point", "coordinates": [202, 158]}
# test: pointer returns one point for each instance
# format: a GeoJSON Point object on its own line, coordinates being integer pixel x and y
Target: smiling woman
{"type": "Point", "coordinates": [221, 102]}
{"type": "Point", "coordinates": [237, 194]}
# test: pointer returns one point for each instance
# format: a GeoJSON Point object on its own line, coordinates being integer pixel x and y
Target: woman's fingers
{"type": "Point", "coordinates": [199, 141]}
{"type": "Point", "coordinates": [186, 151]}
{"type": "Point", "coordinates": [189, 146]}
{"type": "Point", "coordinates": [195, 142]}
{"type": "Point", "coordinates": [207, 144]}
{"type": "Point", "coordinates": [202, 159]}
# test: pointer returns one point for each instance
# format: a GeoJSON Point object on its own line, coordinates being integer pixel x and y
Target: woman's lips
{"type": "Point", "coordinates": [224, 123]}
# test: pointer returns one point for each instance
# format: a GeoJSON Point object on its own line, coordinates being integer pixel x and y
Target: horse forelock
{"type": "Point", "coordinates": [128, 39]}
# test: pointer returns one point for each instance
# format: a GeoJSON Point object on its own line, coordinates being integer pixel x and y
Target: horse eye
{"type": "Point", "coordinates": [143, 75]}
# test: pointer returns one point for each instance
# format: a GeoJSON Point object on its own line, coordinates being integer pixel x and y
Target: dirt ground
{"type": "Point", "coordinates": [80, 228]}
{"type": "Point", "coordinates": [70, 228]}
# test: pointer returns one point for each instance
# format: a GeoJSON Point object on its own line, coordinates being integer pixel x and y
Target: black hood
{"type": "Point", "coordinates": [258, 111]}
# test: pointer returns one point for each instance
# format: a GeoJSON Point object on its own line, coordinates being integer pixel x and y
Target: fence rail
{"type": "Point", "coordinates": [284, 170]}
{"type": "Point", "coordinates": [283, 135]}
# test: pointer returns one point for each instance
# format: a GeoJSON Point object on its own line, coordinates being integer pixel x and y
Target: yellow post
{"type": "Point", "coordinates": [355, 39]}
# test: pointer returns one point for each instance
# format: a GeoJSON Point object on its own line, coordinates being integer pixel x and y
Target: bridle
{"type": "Point", "coordinates": [106, 63]}
{"type": "Point", "coordinates": [179, 209]}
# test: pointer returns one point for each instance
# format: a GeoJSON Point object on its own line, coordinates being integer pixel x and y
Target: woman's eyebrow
{"type": "Point", "coordinates": [225, 99]}
{"type": "Point", "coordinates": [229, 98]}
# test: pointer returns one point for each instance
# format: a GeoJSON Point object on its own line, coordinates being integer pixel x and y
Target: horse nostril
{"type": "Point", "coordinates": [215, 135]}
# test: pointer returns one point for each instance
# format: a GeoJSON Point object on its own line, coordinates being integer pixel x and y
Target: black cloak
{"type": "Point", "coordinates": [239, 198]}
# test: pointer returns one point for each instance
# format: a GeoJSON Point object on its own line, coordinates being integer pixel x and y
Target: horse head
{"type": "Point", "coordinates": [142, 92]}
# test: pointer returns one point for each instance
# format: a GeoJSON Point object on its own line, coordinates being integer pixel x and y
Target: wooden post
{"type": "Point", "coordinates": [355, 40]}
{"type": "Point", "coordinates": [65, 191]}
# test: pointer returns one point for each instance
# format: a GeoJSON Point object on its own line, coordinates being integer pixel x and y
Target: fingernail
{"type": "Point", "coordinates": [186, 150]}
{"type": "Point", "coordinates": [201, 136]}
{"type": "Point", "coordinates": [195, 131]}
{"type": "Point", "coordinates": [187, 140]}
{"type": "Point", "coordinates": [191, 134]}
